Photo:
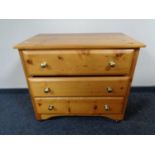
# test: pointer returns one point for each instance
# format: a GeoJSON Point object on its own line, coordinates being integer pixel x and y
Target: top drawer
{"type": "Point", "coordinates": [78, 62]}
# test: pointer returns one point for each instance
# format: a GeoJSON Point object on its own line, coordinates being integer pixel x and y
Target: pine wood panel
{"type": "Point", "coordinates": [79, 86]}
{"type": "Point", "coordinates": [134, 61]}
{"type": "Point", "coordinates": [116, 117]}
{"type": "Point", "coordinates": [78, 62]}
{"type": "Point", "coordinates": [79, 105]}
{"type": "Point", "coordinates": [78, 41]}
{"type": "Point", "coordinates": [37, 116]}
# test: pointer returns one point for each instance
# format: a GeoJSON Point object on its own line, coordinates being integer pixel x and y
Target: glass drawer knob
{"type": "Point", "coordinates": [43, 65]}
{"type": "Point", "coordinates": [46, 90]}
{"type": "Point", "coordinates": [112, 64]}
{"type": "Point", "coordinates": [50, 107]}
{"type": "Point", "coordinates": [106, 107]}
{"type": "Point", "coordinates": [109, 90]}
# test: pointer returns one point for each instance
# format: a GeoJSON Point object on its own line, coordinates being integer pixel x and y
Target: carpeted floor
{"type": "Point", "coordinates": [17, 117]}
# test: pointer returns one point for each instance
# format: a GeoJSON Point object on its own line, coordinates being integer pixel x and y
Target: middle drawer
{"type": "Point", "coordinates": [79, 86]}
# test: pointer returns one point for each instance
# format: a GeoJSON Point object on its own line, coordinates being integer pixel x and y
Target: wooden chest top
{"type": "Point", "coordinates": [78, 41]}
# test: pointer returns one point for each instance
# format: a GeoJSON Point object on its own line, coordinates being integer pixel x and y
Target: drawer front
{"type": "Point", "coordinates": [79, 105]}
{"type": "Point", "coordinates": [78, 62]}
{"type": "Point", "coordinates": [51, 105]}
{"type": "Point", "coordinates": [79, 86]}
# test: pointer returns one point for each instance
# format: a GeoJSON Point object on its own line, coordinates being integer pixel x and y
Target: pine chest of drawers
{"type": "Point", "coordinates": [79, 74]}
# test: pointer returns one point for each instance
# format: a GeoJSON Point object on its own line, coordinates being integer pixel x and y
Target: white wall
{"type": "Point", "coordinates": [15, 31]}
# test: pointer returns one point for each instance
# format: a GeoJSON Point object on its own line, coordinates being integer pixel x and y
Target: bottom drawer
{"type": "Point", "coordinates": [79, 105]}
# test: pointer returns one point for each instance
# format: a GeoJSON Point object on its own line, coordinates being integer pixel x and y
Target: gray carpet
{"type": "Point", "coordinates": [17, 117]}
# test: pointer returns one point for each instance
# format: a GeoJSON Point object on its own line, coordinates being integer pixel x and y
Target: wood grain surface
{"type": "Point", "coordinates": [79, 86]}
{"type": "Point", "coordinates": [78, 62]}
{"type": "Point", "coordinates": [81, 105]}
{"type": "Point", "coordinates": [78, 41]}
